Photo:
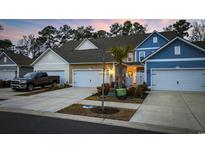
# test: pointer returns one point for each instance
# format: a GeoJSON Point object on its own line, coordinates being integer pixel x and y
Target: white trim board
{"type": "Point", "coordinates": [150, 36]}
{"type": "Point", "coordinates": [7, 70]}
{"type": "Point", "coordinates": [176, 59]}
{"type": "Point", "coordinates": [170, 43]}
{"type": "Point", "coordinates": [179, 68]}
{"type": "Point", "coordinates": [8, 57]}
{"type": "Point", "coordinates": [47, 50]}
{"type": "Point", "coordinates": [2, 65]}
{"type": "Point", "coordinates": [77, 48]}
{"type": "Point", "coordinates": [148, 48]}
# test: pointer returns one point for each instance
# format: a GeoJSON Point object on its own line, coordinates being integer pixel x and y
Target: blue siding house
{"type": "Point", "coordinates": [153, 42]}
{"type": "Point", "coordinates": [176, 65]}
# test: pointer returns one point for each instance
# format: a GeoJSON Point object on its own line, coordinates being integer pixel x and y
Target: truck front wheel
{"type": "Point", "coordinates": [30, 87]}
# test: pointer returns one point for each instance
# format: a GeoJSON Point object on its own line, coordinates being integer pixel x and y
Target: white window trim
{"type": "Point", "coordinates": [140, 56]}
{"type": "Point", "coordinates": [177, 50]}
{"type": "Point", "coordinates": [155, 39]}
{"type": "Point", "coordinates": [130, 55]}
{"type": "Point", "coordinates": [5, 59]}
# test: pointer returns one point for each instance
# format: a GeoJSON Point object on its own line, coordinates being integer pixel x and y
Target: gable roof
{"type": "Point", "coordinates": [200, 43]}
{"type": "Point", "coordinates": [196, 45]}
{"type": "Point", "coordinates": [86, 40]}
{"type": "Point", "coordinates": [69, 53]}
{"type": "Point", "coordinates": [47, 50]}
{"type": "Point", "coordinates": [154, 32]}
{"type": "Point", "coordinates": [19, 59]}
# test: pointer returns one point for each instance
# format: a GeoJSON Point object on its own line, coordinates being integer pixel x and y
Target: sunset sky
{"type": "Point", "coordinates": [14, 29]}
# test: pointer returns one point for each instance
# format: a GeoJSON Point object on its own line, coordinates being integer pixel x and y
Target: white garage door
{"type": "Point", "coordinates": [7, 75]}
{"type": "Point", "coordinates": [88, 78]}
{"type": "Point", "coordinates": [179, 80]}
{"type": "Point", "coordinates": [61, 74]}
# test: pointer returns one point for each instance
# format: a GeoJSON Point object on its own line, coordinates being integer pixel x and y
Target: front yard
{"type": "Point", "coordinates": [95, 111]}
{"type": "Point", "coordinates": [130, 99]}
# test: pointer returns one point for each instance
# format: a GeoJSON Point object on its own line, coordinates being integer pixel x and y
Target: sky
{"type": "Point", "coordinates": [14, 29]}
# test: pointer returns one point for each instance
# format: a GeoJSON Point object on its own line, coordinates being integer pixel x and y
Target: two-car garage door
{"type": "Point", "coordinates": [178, 79]}
{"type": "Point", "coordinates": [88, 78]}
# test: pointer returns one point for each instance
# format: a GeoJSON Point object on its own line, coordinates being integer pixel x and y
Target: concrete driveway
{"type": "Point", "coordinates": [48, 101]}
{"type": "Point", "coordinates": [173, 109]}
{"type": "Point", "coordinates": [8, 93]}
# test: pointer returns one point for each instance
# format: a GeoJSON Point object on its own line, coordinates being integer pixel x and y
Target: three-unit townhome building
{"type": "Point", "coordinates": [161, 59]}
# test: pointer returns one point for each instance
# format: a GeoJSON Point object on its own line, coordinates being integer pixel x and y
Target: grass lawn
{"type": "Point", "coordinates": [130, 99]}
{"type": "Point", "coordinates": [38, 91]}
{"type": "Point", "coordinates": [118, 114]}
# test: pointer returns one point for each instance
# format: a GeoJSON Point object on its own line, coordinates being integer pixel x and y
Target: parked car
{"type": "Point", "coordinates": [34, 79]}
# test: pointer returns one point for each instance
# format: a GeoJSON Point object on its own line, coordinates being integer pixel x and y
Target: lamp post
{"type": "Point", "coordinates": [103, 85]}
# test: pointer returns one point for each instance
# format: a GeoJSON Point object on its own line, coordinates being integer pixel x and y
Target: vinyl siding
{"type": "Point", "coordinates": [187, 51]}
{"type": "Point", "coordinates": [149, 44]}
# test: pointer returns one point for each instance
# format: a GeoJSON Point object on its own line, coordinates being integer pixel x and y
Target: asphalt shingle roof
{"type": "Point", "coordinates": [19, 59]}
{"type": "Point", "coordinates": [200, 44]}
{"type": "Point", "coordinates": [68, 52]}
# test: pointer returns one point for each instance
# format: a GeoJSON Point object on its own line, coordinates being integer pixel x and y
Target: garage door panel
{"type": "Point", "coordinates": [88, 78]}
{"type": "Point", "coordinates": [7, 75]}
{"type": "Point", "coordinates": [179, 80]}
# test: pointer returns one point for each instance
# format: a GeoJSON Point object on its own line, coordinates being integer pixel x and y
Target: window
{"type": "Point", "coordinates": [141, 55]}
{"type": "Point", "coordinates": [5, 59]}
{"type": "Point", "coordinates": [177, 50]}
{"type": "Point", "coordinates": [155, 39]}
{"type": "Point", "coordinates": [130, 57]}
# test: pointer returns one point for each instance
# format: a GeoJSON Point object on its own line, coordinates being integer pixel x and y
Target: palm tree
{"type": "Point", "coordinates": [119, 53]}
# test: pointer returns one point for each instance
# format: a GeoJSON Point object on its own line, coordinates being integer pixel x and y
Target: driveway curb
{"type": "Point", "coordinates": [127, 124]}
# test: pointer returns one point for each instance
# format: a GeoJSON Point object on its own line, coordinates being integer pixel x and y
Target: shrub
{"type": "Point", "coordinates": [131, 91]}
{"type": "Point", "coordinates": [1, 83]}
{"type": "Point", "coordinates": [144, 86]}
{"type": "Point", "coordinates": [139, 91]}
{"type": "Point", "coordinates": [66, 85]}
{"type": "Point", "coordinates": [4, 84]}
{"type": "Point", "coordinates": [106, 89]}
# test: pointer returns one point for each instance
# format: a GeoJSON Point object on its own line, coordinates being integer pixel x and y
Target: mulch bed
{"type": "Point", "coordinates": [110, 113]}
{"type": "Point", "coordinates": [130, 99]}
{"type": "Point", "coordinates": [34, 92]}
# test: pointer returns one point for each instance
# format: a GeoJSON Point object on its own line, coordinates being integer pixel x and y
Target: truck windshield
{"type": "Point", "coordinates": [30, 75]}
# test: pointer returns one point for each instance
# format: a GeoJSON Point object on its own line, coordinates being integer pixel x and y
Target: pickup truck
{"type": "Point", "coordinates": [34, 79]}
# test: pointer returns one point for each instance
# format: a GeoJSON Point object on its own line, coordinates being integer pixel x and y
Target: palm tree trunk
{"type": "Point", "coordinates": [120, 76]}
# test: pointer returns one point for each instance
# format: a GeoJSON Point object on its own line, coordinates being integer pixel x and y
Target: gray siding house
{"type": "Point", "coordinates": [13, 65]}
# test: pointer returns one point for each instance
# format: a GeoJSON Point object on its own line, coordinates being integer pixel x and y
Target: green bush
{"type": "Point", "coordinates": [1, 83]}
{"type": "Point", "coordinates": [144, 86]}
{"type": "Point", "coordinates": [131, 91]}
{"type": "Point", "coordinates": [106, 89]}
{"type": "Point", "coordinates": [4, 84]}
{"type": "Point", "coordinates": [139, 91]}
